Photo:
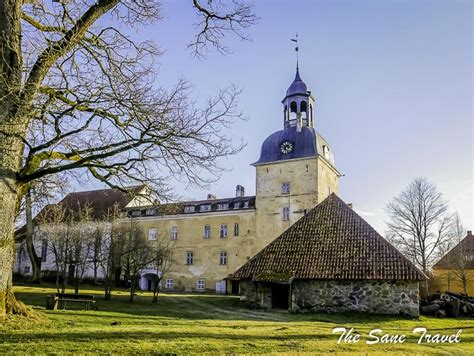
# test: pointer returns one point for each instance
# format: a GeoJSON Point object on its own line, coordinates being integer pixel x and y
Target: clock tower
{"type": "Point", "coordinates": [296, 168]}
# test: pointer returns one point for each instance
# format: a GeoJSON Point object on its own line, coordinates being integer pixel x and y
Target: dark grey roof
{"type": "Point", "coordinates": [298, 86]}
{"type": "Point", "coordinates": [306, 143]}
{"type": "Point", "coordinates": [236, 203]}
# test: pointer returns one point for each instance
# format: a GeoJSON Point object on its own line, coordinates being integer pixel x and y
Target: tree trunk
{"type": "Point", "coordinates": [132, 289]}
{"type": "Point", "coordinates": [13, 123]}
{"type": "Point", "coordinates": [8, 210]}
{"type": "Point", "coordinates": [34, 259]}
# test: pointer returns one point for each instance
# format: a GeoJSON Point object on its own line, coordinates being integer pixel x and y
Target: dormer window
{"type": "Point", "coordinates": [151, 212]}
{"type": "Point", "coordinates": [206, 207]}
{"type": "Point", "coordinates": [223, 206]}
{"type": "Point", "coordinates": [237, 205]}
{"type": "Point", "coordinates": [246, 204]}
{"type": "Point", "coordinates": [189, 209]}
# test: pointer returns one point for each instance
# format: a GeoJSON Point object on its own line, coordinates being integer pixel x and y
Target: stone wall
{"type": "Point", "coordinates": [380, 297]}
{"type": "Point", "coordinates": [255, 294]}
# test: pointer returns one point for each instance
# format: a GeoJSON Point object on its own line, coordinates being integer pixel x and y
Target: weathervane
{"type": "Point", "coordinates": [296, 49]}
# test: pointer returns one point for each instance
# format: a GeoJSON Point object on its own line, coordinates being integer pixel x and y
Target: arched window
{"type": "Point", "coordinates": [303, 106]}
{"type": "Point", "coordinates": [311, 114]}
{"type": "Point", "coordinates": [293, 110]}
{"type": "Point", "coordinates": [304, 112]}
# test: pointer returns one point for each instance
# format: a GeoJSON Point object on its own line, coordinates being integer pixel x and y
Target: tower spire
{"type": "Point", "coordinates": [296, 50]}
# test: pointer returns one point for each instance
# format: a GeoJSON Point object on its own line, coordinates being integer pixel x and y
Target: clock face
{"type": "Point", "coordinates": [286, 147]}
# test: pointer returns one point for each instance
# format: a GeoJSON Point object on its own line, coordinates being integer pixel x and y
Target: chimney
{"type": "Point", "coordinates": [211, 196]}
{"type": "Point", "coordinates": [469, 232]}
{"type": "Point", "coordinates": [239, 191]}
{"type": "Point", "coordinates": [349, 205]}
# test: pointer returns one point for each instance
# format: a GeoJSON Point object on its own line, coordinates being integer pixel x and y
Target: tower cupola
{"type": "Point", "coordinates": [298, 105]}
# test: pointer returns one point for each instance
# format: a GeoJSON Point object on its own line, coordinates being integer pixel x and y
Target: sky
{"type": "Point", "coordinates": [392, 82]}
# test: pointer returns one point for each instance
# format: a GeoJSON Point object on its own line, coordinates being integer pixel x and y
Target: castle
{"type": "Point", "coordinates": [214, 237]}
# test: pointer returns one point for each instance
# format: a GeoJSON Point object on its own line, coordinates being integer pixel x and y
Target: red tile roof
{"type": "Point", "coordinates": [329, 242]}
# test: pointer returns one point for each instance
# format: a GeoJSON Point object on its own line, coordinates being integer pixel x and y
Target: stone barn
{"type": "Point", "coordinates": [331, 260]}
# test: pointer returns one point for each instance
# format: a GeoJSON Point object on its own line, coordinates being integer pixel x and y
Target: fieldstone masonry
{"type": "Point", "coordinates": [256, 294]}
{"type": "Point", "coordinates": [380, 297]}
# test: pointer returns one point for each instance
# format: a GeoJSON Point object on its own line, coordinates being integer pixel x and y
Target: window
{"type": "Point", "coordinates": [189, 258]}
{"type": "Point", "coordinates": [236, 229]}
{"type": "Point", "coordinates": [201, 284]}
{"type": "Point", "coordinates": [206, 207]}
{"type": "Point", "coordinates": [326, 151]}
{"type": "Point", "coordinates": [237, 205]}
{"type": "Point", "coordinates": [224, 230]}
{"type": "Point", "coordinates": [189, 209]}
{"type": "Point", "coordinates": [150, 212]}
{"type": "Point", "coordinates": [223, 206]}
{"type": "Point", "coordinates": [135, 213]}
{"type": "Point", "coordinates": [169, 283]}
{"type": "Point", "coordinates": [152, 233]}
{"type": "Point", "coordinates": [223, 258]}
{"type": "Point", "coordinates": [285, 216]}
{"type": "Point", "coordinates": [246, 204]}
{"type": "Point", "coordinates": [44, 250]}
{"type": "Point", "coordinates": [207, 231]}
{"type": "Point", "coordinates": [26, 270]}
{"type": "Point", "coordinates": [285, 188]}
{"type": "Point", "coordinates": [174, 233]}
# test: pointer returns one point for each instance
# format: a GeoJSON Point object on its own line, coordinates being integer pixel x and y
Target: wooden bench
{"type": "Point", "coordinates": [61, 300]}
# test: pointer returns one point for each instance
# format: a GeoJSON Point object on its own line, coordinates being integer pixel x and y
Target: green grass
{"type": "Point", "coordinates": [186, 324]}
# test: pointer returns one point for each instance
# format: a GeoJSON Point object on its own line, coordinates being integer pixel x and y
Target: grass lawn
{"type": "Point", "coordinates": [208, 323]}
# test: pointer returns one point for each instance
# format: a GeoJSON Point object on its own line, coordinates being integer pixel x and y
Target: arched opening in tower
{"type": "Point", "coordinates": [304, 113]}
{"type": "Point", "coordinates": [293, 112]}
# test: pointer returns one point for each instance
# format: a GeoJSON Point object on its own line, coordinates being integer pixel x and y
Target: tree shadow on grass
{"type": "Point", "coordinates": [203, 307]}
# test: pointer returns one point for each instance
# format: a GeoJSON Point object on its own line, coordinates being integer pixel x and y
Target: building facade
{"type": "Point", "coordinates": [214, 237]}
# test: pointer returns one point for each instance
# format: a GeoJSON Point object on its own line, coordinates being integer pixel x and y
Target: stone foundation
{"type": "Point", "coordinates": [255, 294]}
{"type": "Point", "coordinates": [379, 297]}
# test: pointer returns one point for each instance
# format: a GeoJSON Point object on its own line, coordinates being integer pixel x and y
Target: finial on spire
{"type": "Point", "coordinates": [296, 49]}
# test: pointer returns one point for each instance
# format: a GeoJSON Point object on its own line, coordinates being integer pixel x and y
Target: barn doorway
{"type": "Point", "coordinates": [280, 296]}
{"type": "Point", "coordinates": [235, 287]}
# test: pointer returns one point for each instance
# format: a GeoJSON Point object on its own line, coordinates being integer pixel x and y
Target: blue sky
{"type": "Point", "coordinates": [392, 82]}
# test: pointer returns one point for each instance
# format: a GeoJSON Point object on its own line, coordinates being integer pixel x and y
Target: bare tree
{"type": "Point", "coordinates": [55, 227]}
{"type": "Point", "coordinates": [419, 223]}
{"type": "Point", "coordinates": [79, 93]}
{"type": "Point", "coordinates": [113, 250]}
{"type": "Point", "coordinates": [163, 260]}
{"type": "Point", "coordinates": [138, 255]}
{"type": "Point", "coordinates": [82, 245]}
{"type": "Point", "coordinates": [98, 247]}
{"type": "Point", "coordinates": [37, 195]}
